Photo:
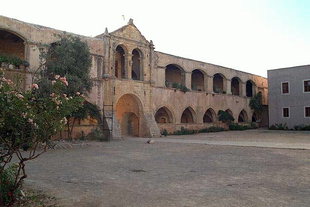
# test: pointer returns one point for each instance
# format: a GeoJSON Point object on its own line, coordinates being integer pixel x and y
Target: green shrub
{"type": "Point", "coordinates": [184, 131]}
{"type": "Point", "coordinates": [302, 127]}
{"type": "Point", "coordinates": [211, 129]}
{"type": "Point", "coordinates": [8, 192]}
{"type": "Point", "coordinates": [179, 86]}
{"type": "Point", "coordinates": [278, 127]}
{"type": "Point", "coordinates": [238, 127]}
{"type": "Point", "coordinates": [164, 132]}
{"type": "Point", "coordinates": [225, 117]}
{"type": "Point", "coordinates": [11, 60]}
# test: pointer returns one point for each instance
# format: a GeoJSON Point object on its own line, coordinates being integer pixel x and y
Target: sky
{"type": "Point", "coordinates": [247, 35]}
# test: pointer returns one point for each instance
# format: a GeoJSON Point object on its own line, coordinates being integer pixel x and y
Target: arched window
{"type": "Point", "coordinates": [243, 117]}
{"type": "Point", "coordinates": [136, 72]}
{"type": "Point", "coordinates": [187, 116]}
{"type": "Point", "coordinates": [174, 75]}
{"type": "Point", "coordinates": [197, 80]}
{"type": "Point", "coordinates": [235, 86]}
{"type": "Point", "coordinates": [249, 88]}
{"type": "Point", "coordinates": [218, 83]}
{"type": "Point", "coordinates": [99, 67]}
{"type": "Point", "coordinates": [120, 62]}
{"type": "Point", "coordinates": [163, 115]}
{"type": "Point", "coordinates": [11, 45]}
{"type": "Point", "coordinates": [209, 116]}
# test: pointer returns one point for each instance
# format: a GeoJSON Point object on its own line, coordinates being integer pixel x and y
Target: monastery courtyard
{"type": "Point", "coordinates": [224, 169]}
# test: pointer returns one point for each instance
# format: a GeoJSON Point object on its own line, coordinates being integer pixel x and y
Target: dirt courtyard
{"type": "Point", "coordinates": [180, 171]}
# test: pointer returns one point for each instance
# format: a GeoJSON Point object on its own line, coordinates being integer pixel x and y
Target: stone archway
{"type": "Point", "coordinates": [11, 44]}
{"type": "Point", "coordinates": [129, 115]}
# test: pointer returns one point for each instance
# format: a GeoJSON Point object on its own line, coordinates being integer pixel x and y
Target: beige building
{"type": "Point", "coordinates": [142, 91]}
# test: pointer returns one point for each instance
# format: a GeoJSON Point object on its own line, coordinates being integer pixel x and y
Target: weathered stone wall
{"type": "Point", "coordinates": [150, 92]}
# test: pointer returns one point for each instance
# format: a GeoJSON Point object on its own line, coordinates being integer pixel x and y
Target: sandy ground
{"type": "Point", "coordinates": [182, 174]}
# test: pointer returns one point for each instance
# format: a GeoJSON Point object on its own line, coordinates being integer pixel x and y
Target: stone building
{"type": "Point", "coordinates": [143, 90]}
{"type": "Point", "coordinates": [289, 96]}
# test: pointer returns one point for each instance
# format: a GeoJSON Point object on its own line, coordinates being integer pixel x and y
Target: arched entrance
{"type": "Point", "coordinates": [128, 114]}
{"type": "Point", "coordinates": [209, 116]}
{"type": "Point", "coordinates": [11, 45]}
{"type": "Point", "coordinates": [219, 83]}
{"type": "Point", "coordinates": [119, 64]}
{"type": "Point", "coordinates": [174, 75]}
{"type": "Point", "coordinates": [163, 115]}
{"type": "Point", "coordinates": [188, 115]}
{"type": "Point", "coordinates": [136, 73]}
{"type": "Point", "coordinates": [235, 86]}
{"type": "Point", "coordinates": [243, 117]}
{"type": "Point", "coordinates": [197, 80]}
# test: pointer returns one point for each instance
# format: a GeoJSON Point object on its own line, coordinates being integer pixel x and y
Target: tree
{"type": "Point", "coordinates": [256, 104]}
{"type": "Point", "coordinates": [28, 121]}
{"type": "Point", "coordinates": [70, 58]}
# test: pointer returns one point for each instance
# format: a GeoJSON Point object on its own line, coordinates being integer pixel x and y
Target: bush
{"type": "Point", "coordinates": [8, 192]}
{"type": "Point", "coordinates": [225, 117]}
{"type": "Point", "coordinates": [164, 132]}
{"type": "Point", "coordinates": [211, 129]}
{"type": "Point", "coordinates": [184, 131]}
{"type": "Point", "coordinates": [180, 86]}
{"type": "Point", "coordinates": [278, 127]}
{"type": "Point", "coordinates": [11, 60]}
{"type": "Point", "coordinates": [302, 127]}
{"type": "Point", "coordinates": [238, 127]}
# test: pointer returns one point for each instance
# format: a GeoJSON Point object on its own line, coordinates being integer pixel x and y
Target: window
{"type": "Point", "coordinates": [285, 88]}
{"type": "Point", "coordinates": [286, 112]}
{"type": "Point", "coordinates": [307, 111]}
{"type": "Point", "coordinates": [307, 86]}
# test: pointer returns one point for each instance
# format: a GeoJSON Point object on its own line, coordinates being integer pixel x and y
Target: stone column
{"type": "Point", "coordinates": [128, 66]}
{"type": "Point", "coordinates": [228, 86]}
{"type": "Point", "coordinates": [243, 89]}
{"type": "Point", "coordinates": [210, 84]}
{"type": "Point", "coordinates": [188, 80]}
{"type": "Point", "coordinates": [205, 83]}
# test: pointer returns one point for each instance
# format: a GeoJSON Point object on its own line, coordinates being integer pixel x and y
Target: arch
{"type": "Point", "coordinates": [128, 113]}
{"type": "Point", "coordinates": [243, 116]}
{"type": "Point", "coordinates": [254, 117]}
{"type": "Point", "coordinates": [137, 64]}
{"type": "Point", "coordinates": [250, 88]}
{"type": "Point", "coordinates": [120, 61]}
{"type": "Point", "coordinates": [163, 115]}
{"type": "Point", "coordinates": [197, 80]}
{"type": "Point", "coordinates": [209, 116]}
{"type": "Point", "coordinates": [188, 116]}
{"type": "Point", "coordinates": [12, 44]}
{"type": "Point", "coordinates": [219, 83]}
{"type": "Point", "coordinates": [174, 74]}
{"type": "Point", "coordinates": [230, 112]}
{"type": "Point", "coordinates": [235, 86]}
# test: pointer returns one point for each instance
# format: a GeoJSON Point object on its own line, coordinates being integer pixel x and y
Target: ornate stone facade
{"type": "Point", "coordinates": [149, 90]}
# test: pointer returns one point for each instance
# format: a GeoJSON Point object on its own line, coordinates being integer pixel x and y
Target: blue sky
{"type": "Point", "coordinates": [248, 35]}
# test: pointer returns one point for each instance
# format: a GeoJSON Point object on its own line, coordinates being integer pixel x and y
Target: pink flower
{"type": "Point", "coordinates": [57, 77]}
{"type": "Point", "coordinates": [78, 93]}
{"type": "Point", "coordinates": [64, 80]}
{"type": "Point", "coordinates": [35, 86]}
{"type": "Point", "coordinates": [20, 96]}
{"type": "Point", "coordinates": [52, 95]}
{"type": "Point", "coordinates": [53, 82]}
